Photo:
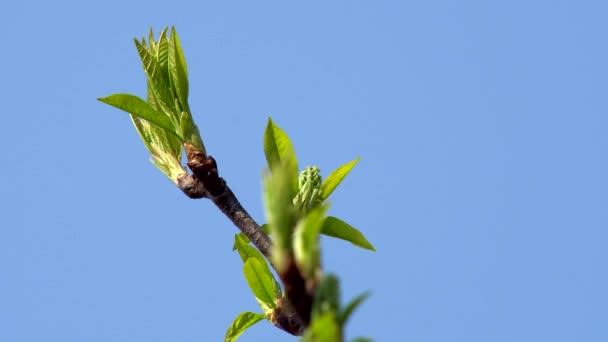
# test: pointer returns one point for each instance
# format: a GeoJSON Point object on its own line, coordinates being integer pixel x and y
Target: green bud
{"type": "Point", "coordinates": [309, 190]}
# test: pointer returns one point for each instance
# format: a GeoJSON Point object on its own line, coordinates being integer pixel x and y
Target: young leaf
{"type": "Point", "coordinates": [241, 323]}
{"type": "Point", "coordinates": [247, 251]}
{"type": "Point", "coordinates": [140, 108]}
{"type": "Point", "coordinates": [280, 213]}
{"type": "Point", "coordinates": [279, 150]}
{"type": "Point", "coordinates": [306, 241]}
{"type": "Point", "coordinates": [345, 314]}
{"type": "Point", "coordinates": [337, 228]}
{"type": "Point", "coordinates": [178, 70]}
{"type": "Point", "coordinates": [327, 297]}
{"type": "Point", "coordinates": [335, 178]}
{"type": "Point", "coordinates": [260, 282]}
{"type": "Point", "coordinates": [323, 329]}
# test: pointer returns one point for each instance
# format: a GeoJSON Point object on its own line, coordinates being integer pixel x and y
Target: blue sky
{"type": "Point", "coordinates": [482, 131]}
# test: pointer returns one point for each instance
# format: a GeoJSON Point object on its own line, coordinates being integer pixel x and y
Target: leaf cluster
{"type": "Point", "coordinates": [163, 120]}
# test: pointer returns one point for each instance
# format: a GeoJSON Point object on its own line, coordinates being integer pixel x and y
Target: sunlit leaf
{"type": "Point", "coordinates": [335, 178]}
{"type": "Point", "coordinates": [279, 150]}
{"type": "Point", "coordinates": [306, 241]}
{"type": "Point", "coordinates": [260, 282]}
{"type": "Point", "coordinates": [337, 228]}
{"type": "Point", "coordinates": [241, 323]}
{"type": "Point", "coordinates": [178, 70]}
{"type": "Point", "coordinates": [140, 108]}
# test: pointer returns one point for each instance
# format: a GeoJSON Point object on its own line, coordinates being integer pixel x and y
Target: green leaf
{"type": "Point", "coordinates": [306, 241]}
{"type": "Point", "coordinates": [247, 251]}
{"type": "Point", "coordinates": [140, 108]}
{"type": "Point", "coordinates": [279, 150]}
{"type": "Point", "coordinates": [345, 314]}
{"type": "Point", "coordinates": [158, 77]}
{"type": "Point", "coordinates": [323, 329]}
{"type": "Point", "coordinates": [335, 178]}
{"type": "Point", "coordinates": [178, 70]}
{"type": "Point", "coordinates": [241, 323]}
{"type": "Point", "coordinates": [280, 213]}
{"type": "Point", "coordinates": [362, 339]}
{"type": "Point", "coordinates": [327, 296]}
{"type": "Point", "coordinates": [337, 228]}
{"type": "Point", "coordinates": [260, 282]}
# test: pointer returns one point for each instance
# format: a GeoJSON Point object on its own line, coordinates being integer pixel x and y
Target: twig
{"type": "Point", "coordinates": [206, 183]}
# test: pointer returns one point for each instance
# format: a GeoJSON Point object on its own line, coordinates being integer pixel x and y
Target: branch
{"type": "Point", "coordinates": [205, 182]}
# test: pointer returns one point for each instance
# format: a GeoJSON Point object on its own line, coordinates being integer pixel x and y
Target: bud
{"type": "Point", "coordinates": [309, 189]}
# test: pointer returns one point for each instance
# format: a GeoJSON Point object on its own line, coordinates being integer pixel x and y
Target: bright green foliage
{"type": "Point", "coordinates": [323, 329]}
{"type": "Point", "coordinates": [133, 104]}
{"type": "Point", "coordinates": [241, 323]}
{"type": "Point", "coordinates": [279, 151]}
{"type": "Point", "coordinates": [163, 121]}
{"type": "Point", "coordinates": [306, 242]}
{"type": "Point", "coordinates": [280, 213]}
{"type": "Point", "coordinates": [260, 281]}
{"type": "Point", "coordinates": [257, 275]}
{"type": "Point", "coordinates": [335, 178]}
{"type": "Point", "coordinates": [337, 228]}
{"type": "Point", "coordinates": [246, 252]}
{"type": "Point", "coordinates": [295, 206]}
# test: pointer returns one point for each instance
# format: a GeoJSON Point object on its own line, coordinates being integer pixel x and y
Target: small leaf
{"type": "Point", "coordinates": [345, 314]}
{"type": "Point", "coordinates": [335, 178]}
{"type": "Point", "coordinates": [323, 329]}
{"type": "Point", "coordinates": [306, 242]}
{"type": "Point", "coordinates": [241, 323]}
{"type": "Point", "coordinates": [260, 282]}
{"type": "Point", "coordinates": [279, 150]}
{"type": "Point", "coordinates": [337, 228]}
{"type": "Point", "coordinates": [178, 69]}
{"type": "Point", "coordinates": [327, 296]}
{"type": "Point", "coordinates": [140, 108]}
{"type": "Point", "coordinates": [158, 76]}
{"type": "Point", "coordinates": [280, 213]}
{"type": "Point", "coordinates": [247, 251]}
{"type": "Point", "coordinates": [362, 339]}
